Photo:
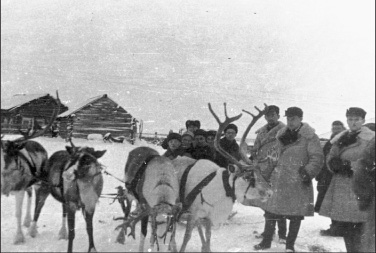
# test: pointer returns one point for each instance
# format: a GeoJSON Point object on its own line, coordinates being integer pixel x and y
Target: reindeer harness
{"type": "Point", "coordinates": [135, 184]}
{"type": "Point", "coordinates": [187, 202]}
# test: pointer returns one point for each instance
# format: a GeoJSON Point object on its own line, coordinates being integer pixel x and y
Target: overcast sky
{"type": "Point", "coordinates": [163, 61]}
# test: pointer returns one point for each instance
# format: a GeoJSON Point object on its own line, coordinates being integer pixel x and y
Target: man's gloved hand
{"type": "Point", "coordinates": [305, 176]}
{"type": "Point", "coordinates": [342, 167]}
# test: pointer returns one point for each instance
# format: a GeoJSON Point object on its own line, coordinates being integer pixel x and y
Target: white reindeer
{"type": "Point", "coordinates": [22, 165]}
{"type": "Point", "coordinates": [208, 192]}
{"type": "Point", "coordinates": [151, 179]}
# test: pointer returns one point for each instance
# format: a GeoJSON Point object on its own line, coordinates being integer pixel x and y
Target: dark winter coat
{"type": "Point", "coordinates": [340, 202]}
{"type": "Point", "coordinates": [204, 152]}
{"type": "Point", "coordinates": [364, 189]}
{"type": "Point", "coordinates": [323, 178]}
{"type": "Point", "coordinates": [230, 147]}
{"type": "Point", "coordinates": [292, 195]}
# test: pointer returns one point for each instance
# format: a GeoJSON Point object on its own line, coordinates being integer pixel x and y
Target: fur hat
{"type": "Point", "coordinates": [272, 108]}
{"type": "Point", "coordinates": [172, 136]}
{"type": "Point", "coordinates": [356, 111]}
{"type": "Point", "coordinates": [337, 123]}
{"type": "Point", "coordinates": [231, 126]}
{"type": "Point", "coordinates": [200, 132]}
{"type": "Point", "coordinates": [211, 133]}
{"type": "Point", "coordinates": [189, 133]}
{"type": "Point", "coordinates": [294, 111]}
{"type": "Point", "coordinates": [195, 123]}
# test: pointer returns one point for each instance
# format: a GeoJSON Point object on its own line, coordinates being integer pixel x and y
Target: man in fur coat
{"type": "Point", "coordinates": [264, 145]}
{"type": "Point", "coordinates": [323, 181]}
{"type": "Point", "coordinates": [340, 202]}
{"type": "Point", "coordinates": [299, 160]}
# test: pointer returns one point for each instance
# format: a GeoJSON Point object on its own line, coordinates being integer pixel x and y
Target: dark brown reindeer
{"type": "Point", "coordinates": [22, 165]}
{"type": "Point", "coordinates": [150, 179]}
{"type": "Point", "coordinates": [74, 178]}
{"type": "Point", "coordinates": [208, 192]}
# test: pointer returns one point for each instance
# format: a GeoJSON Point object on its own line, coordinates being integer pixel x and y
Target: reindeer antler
{"type": "Point", "coordinates": [26, 136]}
{"type": "Point", "coordinates": [222, 126]}
{"type": "Point", "coordinates": [243, 144]}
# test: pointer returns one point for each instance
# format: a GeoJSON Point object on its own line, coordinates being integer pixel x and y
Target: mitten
{"type": "Point", "coordinates": [342, 167]}
{"type": "Point", "coordinates": [305, 176]}
{"type": "Point", "coordinates": [335, 164]}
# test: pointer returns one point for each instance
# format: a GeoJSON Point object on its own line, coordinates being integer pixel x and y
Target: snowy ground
{"type": "Point", "coordinates": [237, 235]}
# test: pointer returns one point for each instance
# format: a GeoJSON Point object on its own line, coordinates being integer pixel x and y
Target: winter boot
{"type": "Point", "coordinates": [282, 230]}
{"type": "Point", "coordinates": [293, 234]}
{"type": "Point", "coordinates": [266, 242]}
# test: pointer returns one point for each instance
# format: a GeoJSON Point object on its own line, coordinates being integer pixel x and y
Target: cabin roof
{"type": "Point", "coordinates": [82, 104]}
{"type": "Point", "coordinates": [19, 100]}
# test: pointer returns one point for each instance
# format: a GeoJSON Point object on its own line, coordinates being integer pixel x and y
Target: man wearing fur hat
{"type": "Point", "coordinates": [228, 143]}
{"type": "Point", "coordinates": [299, 160]}
{"type": "Point", "coordinates": [202, 149]}
{"type": "Point", "coordinates": [265, 144]}
{"type": "Point", "coordinates": [340, 202]}
{"type": "Point", "coordinates": [174, 146]}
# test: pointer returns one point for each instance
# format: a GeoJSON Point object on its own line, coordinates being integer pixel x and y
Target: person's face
{"type": "Point", "coordinates": [191, 128]}
{"type": "Point", "coordinates": [174, 144]}
{"type": "Point", "coordinates": [210, 140]}
{"type": "Point", "coordinates": [230, 134]}
{"type": "Point", "coordinates": [336, 129]}
{"type": "Point", "coordinates": [200, 140]}
{"type": "Point", "coordinates": [294, 122]}
{"type": "Point", "coordinates": [272, 118]}
{"type": "Point", "coordinates": [355, 122]}
{"type": "Point", "coordinates": [186, 141]}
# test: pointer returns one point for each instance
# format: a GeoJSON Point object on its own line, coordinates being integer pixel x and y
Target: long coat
{"type": "Point", "coordinates": [364, 188]}
{"type": "Point", "coordinates": [291, 196]}
{"type": "Point", "coordinates": [340, 202]}
{"type": "Point", "coordinates": [265, 143]}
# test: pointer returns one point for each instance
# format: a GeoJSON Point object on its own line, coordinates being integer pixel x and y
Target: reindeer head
{"type": "Point", "coordinates": [83, 162]}
{"type": "Point", "coordinates": [15, 170]}
{"type": "Point", "coordinates": [251, 184]}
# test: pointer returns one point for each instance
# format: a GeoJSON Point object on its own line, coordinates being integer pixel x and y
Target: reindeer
{"type": "Point", "coordinates": [208, 191]}
{"type": "Point", "coordinates": [22, 165]}
{"type": "Point", "coordinates": [74, 178]}
{"type": "Point", "coordinates": [151, 180]}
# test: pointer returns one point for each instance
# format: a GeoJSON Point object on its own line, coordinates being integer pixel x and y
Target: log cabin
{"type": "Point", "coordinates": [97, 115]}
{"type": "Point", "coordinates": [23, 110]}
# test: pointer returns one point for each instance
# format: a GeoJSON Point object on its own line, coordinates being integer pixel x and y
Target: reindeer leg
{"type": "Point", "coordinates": [89, 229]}
{"type": "Point", "coordinates": [19, 238]}
{"type": "Point", "coordinates": [202, 237]}
{"type": "Point", "coordinates": [154, 237]}
{"type": "Point", "coordinates": [27, 218]}
{"type": "Point", "coordinates": [207, 234]}
{"type": "Point", "coordinates": [126, 210]}
{"type": "Point", "coordinates": [144, 231]}
{"type": "Point", "coordinates": [41, 194]}
{"type": "Point", "coordinates": [71, 225]}
{"type": "Point", "coordinates": [63, 230]}
{"type": "Point", "coordinates": [188, 232]}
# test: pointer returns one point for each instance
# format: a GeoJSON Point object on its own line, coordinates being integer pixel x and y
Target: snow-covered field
{"type": "Point", "coordinates": [237, 235]}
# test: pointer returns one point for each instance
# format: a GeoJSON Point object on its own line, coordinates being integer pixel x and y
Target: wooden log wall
{"type": "Point", "coordinates": [101, 117]}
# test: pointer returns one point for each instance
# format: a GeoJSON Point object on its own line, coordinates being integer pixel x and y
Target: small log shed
{"type": "Point", "coordinates": [97, 115]}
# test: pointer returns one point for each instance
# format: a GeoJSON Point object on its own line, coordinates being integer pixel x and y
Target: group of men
{"type": "Point", "coordinates": [299, 159]}
{"type": "Point", "coordinates": [290, 156]}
